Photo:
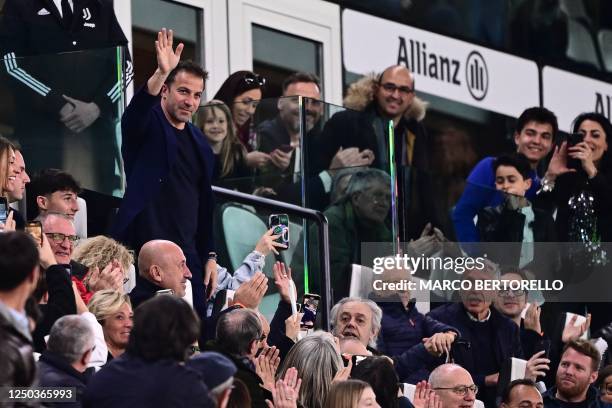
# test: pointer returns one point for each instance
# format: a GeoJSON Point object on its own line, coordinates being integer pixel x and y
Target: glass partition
{"type": "Point", "coordinates": [65, 110]}
{"type": "Point", "coordinates": [310, 153]}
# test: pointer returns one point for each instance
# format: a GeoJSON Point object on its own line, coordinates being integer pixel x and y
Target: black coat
{"type": "Point", "coordinates": [129, 381]}
{"type": "Point", "coordinates": [501, 224]}
{"type": "Point", "coordinates": [367, 130]}
{"type": "Point", "coordinates": [55, 371]}
{"type": "Point", "coordinates": [506, 342]}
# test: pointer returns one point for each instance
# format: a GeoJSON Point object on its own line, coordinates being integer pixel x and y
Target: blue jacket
{"type": "Point", "coordinates": [401, 334]}
{"type": "Point", "coordinates": [592, 399]}
{"type": "Point", "coordinates": [479, 193]}
{"type": "Point", "coordinates": [149, 150]}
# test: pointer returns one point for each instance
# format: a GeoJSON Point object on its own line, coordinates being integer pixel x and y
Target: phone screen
{"type": "Point", "coordinates": [3, 209]}
{"type": "Point", "coordinates": [34, 228]}
{"type": "Point", "coordinates": [280, 225]}
{"type": "Point", "coordinates": [310, 305]}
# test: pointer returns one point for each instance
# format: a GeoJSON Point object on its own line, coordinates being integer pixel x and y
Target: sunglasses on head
{"type": "Point", "coordinates": [251, 78]}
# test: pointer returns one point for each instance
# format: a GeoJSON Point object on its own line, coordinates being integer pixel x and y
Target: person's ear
{"type": "Point", "coordinates": [164, 91]}
{"type": "Point", "coordinates": [224, 397]}
{"type": "Point", "coordinates": [156, 273]}
{"type": "Point", "coordinates": [593, 377]}
{"type": "Point", "coordinates": [254, 347]}
{"type": "Point", "coordinates": [517, 136]}
{"type": "Point", "coordinates": [86, 357]}
{"type": "Point", "coordinates": [528, 183]}
{"type": "Point", "coordinates": [42, 202]}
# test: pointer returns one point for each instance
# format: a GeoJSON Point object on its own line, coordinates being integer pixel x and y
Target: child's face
{"type": "Point", "coordinates": [509, 180]}
{"type": "Point", "coordinates": [215, 125]}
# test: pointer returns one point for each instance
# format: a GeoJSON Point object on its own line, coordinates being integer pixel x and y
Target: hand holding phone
{"type": "Point", "coordinates": [279, 223]}
{"type": "Point", "coordinates": [310, 305]}
{"type": "Point", "coordinates": [34, 228]}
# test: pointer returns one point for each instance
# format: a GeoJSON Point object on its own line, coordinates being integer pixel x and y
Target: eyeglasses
{"type": "Point", "coordinates": [512, 293]}
{"type": "Point", "coordinates": [460, 389]}
{"type": "Point", "coordinates": [251, 78]}
{"type": "Point", "coordinates": [58, 237]}
{"type": "Point", "coordinates": [607, 389]}
{"type": "Point", "coordinates": [391, 88]}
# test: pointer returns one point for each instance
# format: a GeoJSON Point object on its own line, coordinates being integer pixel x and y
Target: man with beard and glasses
{"type": "Point", "coordinates": [361, 132]}
{"type": "Point", "coordinates": [575, 377]}
{"type": "Point", "coordinates": [489, 338]}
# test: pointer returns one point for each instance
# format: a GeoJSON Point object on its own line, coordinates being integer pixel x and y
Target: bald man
{"type": "Point", "coordinates": [376, 103]}
{"type": "Point", "coordinates": [454, 385]}
{"type": "Point", "coordinates": [161, 265]}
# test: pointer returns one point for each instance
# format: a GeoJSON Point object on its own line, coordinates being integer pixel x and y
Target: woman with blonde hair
{"type": "Point", "coordinates": [98, 253]}
{"type": "Point", "coordinates": [215, 120]}
{"type": "Point", "coordinates": [317, 360]}
{"type": "Point", "coordinates": [351, 394]}
{"type": "Point", "coordinates": [113, 310]}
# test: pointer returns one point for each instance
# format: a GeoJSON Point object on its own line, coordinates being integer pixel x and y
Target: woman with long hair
{"type": "Point", "coordinates": [242, 91]}
{"type": "Point", "coordinates": [351, 394]}
{"type": "Point", "coordinates": [317, 360]}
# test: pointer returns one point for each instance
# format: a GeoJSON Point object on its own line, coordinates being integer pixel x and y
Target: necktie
{"type": "Point", "coordinates": [66, 14]}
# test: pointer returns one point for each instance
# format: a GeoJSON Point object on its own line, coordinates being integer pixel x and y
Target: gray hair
{"type": "Point", "coordinates": [71, 336]}
{"type": "Point", "coordinates": [219, 389]}
{"type": "Point", "coordinates": [44, 217]}
{"type": "Point", "coordinates": [365, 178]}
{"type": "Point", "coordinates": [237, 329]}
{"type": "Point", "coordinates": [440, 372]}
{"type": "Point", "coordinates": [317, 361]}
{"type": "Point", "coordinates": [376, 316]}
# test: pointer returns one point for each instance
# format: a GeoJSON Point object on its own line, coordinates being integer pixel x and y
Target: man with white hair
{"type": "Point", "coordinates": [69, 349]}
{"type": "Point", "coordinates": [454, 385]}
{"type": "Point", "coordinates": [357, 318]}
{"type": "Point", "coordinates": [488, 337]}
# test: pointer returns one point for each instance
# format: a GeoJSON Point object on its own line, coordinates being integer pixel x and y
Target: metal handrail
{"type": "Point", "coordinates": [322, 232]}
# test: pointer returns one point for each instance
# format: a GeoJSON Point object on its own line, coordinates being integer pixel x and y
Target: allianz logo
{"type": "Point", "coordinates": [414, 55]}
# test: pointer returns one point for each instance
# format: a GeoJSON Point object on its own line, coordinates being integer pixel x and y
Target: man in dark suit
{"type": "Point", "coordinates": [169, 165]}
{"type": "Point", "coordinates": [62, 60]}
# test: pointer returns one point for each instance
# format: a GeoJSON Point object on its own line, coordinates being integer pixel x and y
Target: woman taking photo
{"type": "Point", "coordinates": [578, 182]}
{"type": "Point", "coordinates": [242, 91]}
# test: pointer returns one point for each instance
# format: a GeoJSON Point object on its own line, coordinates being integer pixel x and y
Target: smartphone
{"type": "Point", "coordinates": [572, 140]}
{"type": "Point", "coordinates": [4, 209]}
{"type": "Point", "coordinates": [310, 305]}
{"type": "Point", "coordinates": [280, 225]}
{"type": "Point", "coordinates": [164, 292]}
{"type": "Point", "coordinates": [34, 228]}
{"type": "Point", "coordinates": [285, 148]}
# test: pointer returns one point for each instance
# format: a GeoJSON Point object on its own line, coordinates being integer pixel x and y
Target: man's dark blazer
{"type": "Point", "coordinates": [149, 151]}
